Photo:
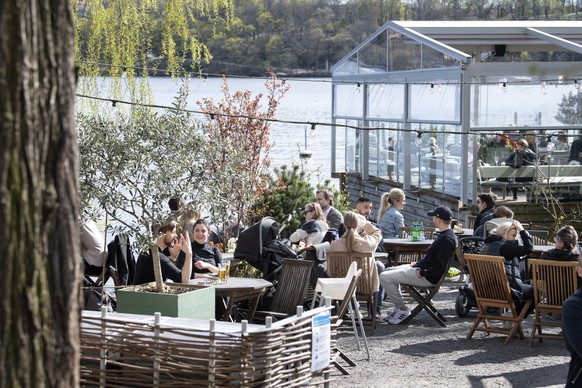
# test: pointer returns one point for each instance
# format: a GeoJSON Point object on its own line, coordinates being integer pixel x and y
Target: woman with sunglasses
{"type": "Point", "coordinates": [314, 228]}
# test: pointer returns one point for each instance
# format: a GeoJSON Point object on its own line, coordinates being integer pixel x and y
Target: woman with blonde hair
{"type": "Point", "coordinates": [313, 211]}
{"type": "Point", "coordinates": [360, 235]}
{"type": "Point", "coordinates": [505, 241]}
{"type": "Point", "coordinates": [391, 220]}
{"type": "Point", "coordinates": [314, 228]}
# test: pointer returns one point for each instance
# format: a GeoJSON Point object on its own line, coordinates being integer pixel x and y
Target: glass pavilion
{"type": "Point", "coordinates": [420, 104]}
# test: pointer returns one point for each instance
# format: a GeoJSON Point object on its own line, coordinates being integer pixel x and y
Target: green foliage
{"type": "Point", "coordinates": [570, 109]}
{"type": "Point", "coordinates": [132, 163]}
{"type": "Point", "coordinates": [287, 192]}
{"type": "Point", "coordinates": [237, 150]}
{"type": "Point", "coordinates": [119, 33]}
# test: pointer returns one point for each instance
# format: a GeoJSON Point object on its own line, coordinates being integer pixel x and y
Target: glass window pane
{"type": "Point", "coordinates": [348, 101]}
{"type": "Point", "coordinates": [386, 101]}
{"type": "Point", "coordinates": [435, 102]}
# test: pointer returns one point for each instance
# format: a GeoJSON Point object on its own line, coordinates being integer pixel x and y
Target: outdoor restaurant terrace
{"type": "Point", "coordinates": [421, 105]}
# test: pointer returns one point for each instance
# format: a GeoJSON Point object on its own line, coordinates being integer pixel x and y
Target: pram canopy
{"type": "Point", "coordinates": [260, 246]}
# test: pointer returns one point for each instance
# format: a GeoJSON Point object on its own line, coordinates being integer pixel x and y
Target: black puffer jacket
{"type": "Point", "coordinates": [513, 253]}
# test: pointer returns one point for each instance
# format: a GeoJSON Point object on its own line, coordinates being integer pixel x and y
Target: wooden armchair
{"type": "Point", "coordinates": [424, 295]}
{"type": "Point", "coordinates": [338, 264]}
{"type": "Point", "coordinates": [553, 283]}
{"type": "Point", "coordinates": [291, 289]}
{"type": "Point", "coordinates": [492, 289]}
{"type": "Point", "coordinates": [540, 237]}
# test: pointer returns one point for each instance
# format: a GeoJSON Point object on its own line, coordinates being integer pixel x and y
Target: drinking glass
{"type": "Point", "coordinates": [222, 273]}
{"type": "Point", "coordinates": [227, 263]}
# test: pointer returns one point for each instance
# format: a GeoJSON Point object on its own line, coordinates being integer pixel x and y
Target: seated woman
{"type": "Point", "coordinates": [167, 239]}
{"type": "Point", "coordinates": [360, 236]}
{"type": "Point", "coordinates": [315, 226]}
{"type": "Point", "coordinates": [391, 220]}
{"type": "Point", "coordinates": [205, 257]}
{"type": "Point", "coordinates": [503, 241]}
{"type": "Point", "coordinates": [566, 249]}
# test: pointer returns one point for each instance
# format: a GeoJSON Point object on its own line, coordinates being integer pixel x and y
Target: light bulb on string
{"type": "Point", "coordinates": [205, 79]}
{"type": "Point", "coordinates": [503, 85]}
{"type": "Point", "coordinates": [440, 89]}
{"type": "Point", "coordinates": [543, 88]}
{"type": "Point", "coordinates": [358, 87]}
{"type": "Point", "coordinates": [418, 140]}
{"type": "Point", "coordinates": [576, 85]}
{"type": "Point", "coordinates": [560, 80]}
{"type": "Point", "coordinates": [312, 132]}
{"type": "Point", "coordinates": [431, 88]}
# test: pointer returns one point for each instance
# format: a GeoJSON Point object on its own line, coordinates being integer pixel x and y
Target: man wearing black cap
{"type": "Point", "coordinates": [424, 273]}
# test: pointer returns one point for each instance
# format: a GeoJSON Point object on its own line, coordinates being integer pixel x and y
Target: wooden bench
{"type": "Point", "coordinates": [552, 175]}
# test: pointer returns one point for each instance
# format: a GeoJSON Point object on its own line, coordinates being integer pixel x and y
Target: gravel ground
{"type": "Point", "coordinates": [424, 354]}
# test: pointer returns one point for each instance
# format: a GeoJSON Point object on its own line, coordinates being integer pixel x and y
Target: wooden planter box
{"type": "Point", "coordinates": [196, 304]}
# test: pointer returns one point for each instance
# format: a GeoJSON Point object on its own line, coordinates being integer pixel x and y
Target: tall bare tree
{"type": "Point", "coordinates": [39, 242]}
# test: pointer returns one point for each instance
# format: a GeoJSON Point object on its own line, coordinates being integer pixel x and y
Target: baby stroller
{"type": "Point", "coordinates": [262, 248]}
{"type": "Point", "coordinates": [466, 299]}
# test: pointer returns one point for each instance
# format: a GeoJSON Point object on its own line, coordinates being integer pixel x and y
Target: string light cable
{"type": "Point", "coordinates": [311, 124]}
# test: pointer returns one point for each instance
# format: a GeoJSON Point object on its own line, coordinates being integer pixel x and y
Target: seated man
{"type": "Point", "coordinates": [427, 271]}
{"type": "Point", "coordinates": [167, 239]}
{"type": "Point", "coordinates": [93, 250]}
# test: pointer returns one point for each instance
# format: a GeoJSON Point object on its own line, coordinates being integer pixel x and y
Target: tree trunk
{"type": "Point", "coordinates": [39, 238]}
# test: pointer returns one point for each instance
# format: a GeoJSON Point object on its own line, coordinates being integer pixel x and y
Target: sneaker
{"type": "Point", "coordinates": [399, 317]}
{"type": "Point", "coordinates": [392, 314]}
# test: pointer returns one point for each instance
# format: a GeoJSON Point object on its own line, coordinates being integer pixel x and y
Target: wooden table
{"type": "Point", "coordinates": [466, 232]}
{"type": "Point", "coordinates": [236, 290]}
{"type": "Point", "coordinates": [401, 245]}
{"type": "Point", "coordinates": [538, 250]}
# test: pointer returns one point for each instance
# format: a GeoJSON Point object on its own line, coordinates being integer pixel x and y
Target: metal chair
{"type": "Point", "coordinates": [491, 288]}
{"type": "Point", "coordinates": [553, 283]}
{"type": "Point", "coordinates": [338, 264]}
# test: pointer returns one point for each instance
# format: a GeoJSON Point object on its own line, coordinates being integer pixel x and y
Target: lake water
{"type": "Point", "coordinates": [307, 100]}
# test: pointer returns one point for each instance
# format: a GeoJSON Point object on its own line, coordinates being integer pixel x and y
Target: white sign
{"type": "Point", "coordinates": [320, 341]}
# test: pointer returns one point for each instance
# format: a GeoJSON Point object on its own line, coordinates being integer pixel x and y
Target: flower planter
{"type": "Point", "coordinates": [194, 303]}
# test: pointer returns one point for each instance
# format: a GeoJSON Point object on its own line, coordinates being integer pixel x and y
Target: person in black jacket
{"type": "Point", "coordinates": [576, 151]}
{"type": "Point", "coordinates": [566, 241]}
{"type": "Point", "coordinates": [572, 328]}
{"type": "Point", "coordinates": [424, 273]}
{"type": "Point", "coordinates": [523, 156]}
{"type": "Point", "coordinates": [205, 257]}
{"type": "Point", "coordinates": [486, 204]}
{"type": "Point", "coordinates": [167, 240]}
{"type": "Point", "coordinates": [503, 241]}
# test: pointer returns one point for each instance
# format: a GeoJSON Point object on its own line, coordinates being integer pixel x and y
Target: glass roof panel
{"type": "Point", "coordinates": [403, 52]}
{"type": "Point", "coordinates": [373, 57]}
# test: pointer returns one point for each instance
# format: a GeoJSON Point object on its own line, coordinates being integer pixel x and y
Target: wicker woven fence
{"type": "Point", "coordinates": [118, 350]}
